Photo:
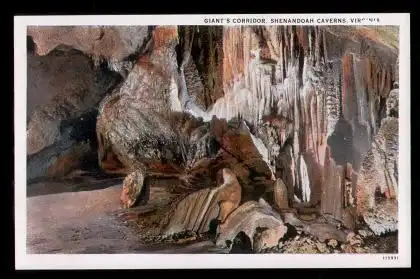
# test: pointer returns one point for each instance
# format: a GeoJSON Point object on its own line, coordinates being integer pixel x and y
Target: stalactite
{"type": "Point", "coordinates": [324, 40]}
{"type": "Point", "coordinates": [305, 181]}
{"type": "Point", "coordinates": [347, 87]}
{"type": "Point", "coordinates": [318, 46]}
{"type": "Point", "coordinates": [303, 82]}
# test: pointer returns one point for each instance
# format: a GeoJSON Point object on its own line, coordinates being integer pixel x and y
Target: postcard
{"type": "Point", "coordinates": [212, 141]}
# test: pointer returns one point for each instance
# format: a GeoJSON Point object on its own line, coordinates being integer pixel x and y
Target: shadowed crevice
{"type": "Point", "coordinates": [341, 143]}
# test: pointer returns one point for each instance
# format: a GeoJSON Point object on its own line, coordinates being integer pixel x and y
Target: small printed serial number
{"type": "Point", "coordinates": [390, 258]}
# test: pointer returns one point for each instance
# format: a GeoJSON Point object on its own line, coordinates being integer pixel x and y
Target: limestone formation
{"type": "Point", "coordinates": [62, 110]}
{"type": "Point", "coordinates": [229, 195]}
{"type": "Point", "coordinates": [315, 91]}
{"type": "Point", "coordinates": [111, 44]}
{"type": "Point", "coordinates": [73, 147]}
{"type": "Point", "coordinates": [383, 218]}
{"type": "Point", "coordinates": [268, 238]}
{"type": "Point", "coordinates": [280, 194]}
{"type": "Point", "coordinates": [377, 186]}
{"type": "Point", "coordinates": [57, 160]}
{"type": "Point", "coordinates": [329, 129]}
{"type": "Point", "coordinates": [248, 218]}
{"type": "Point", "coordinates": [132, 187]}
{"type": "Point", "coordinates": [57, 92]}
{"type": "Point", "coordinates": [197, 211]}
{"type": "Point", "coordinates": [325, 231]}
{"type": "Point", "coordinates": [203, 73]}
{"type": "Point", "coordinates": [314, 85]}
{"type": "Point", "coordinates": [320, 227]}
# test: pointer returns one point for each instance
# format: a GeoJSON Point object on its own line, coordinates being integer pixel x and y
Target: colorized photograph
{"type": "Point", "coordinates": [212, 139]}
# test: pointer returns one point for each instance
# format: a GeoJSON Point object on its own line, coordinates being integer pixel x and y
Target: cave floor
{"type": "Point", "coordinates": [82, 215]}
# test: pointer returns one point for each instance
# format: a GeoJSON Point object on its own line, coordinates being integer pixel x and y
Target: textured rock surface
{"type": "Point", "coordinates": [269, 238]}
{"type": "Point", "coordinates": [197, 211]}
{"type": "Point", "coordinates": [61, 85]}
{"type": "Point", "coordinates": [74, 147]}
{"type": "Point", "coordinates": [132, 187]}
{"type": "Point", "coordinates": [115, 44]}
{"type": "Point", "coordinates": [57, 160]}
{"type": "Point", "coordinates": [203, 72]}
{"type": "Point", "coordinates": [248, 218]}
{"type": "Point", "coordinates": [332, 190]}
{"type": "Point", "coordinates": [280, 194]}
{"type": "Point", "coordinates": [326, 231]}
{"type": "Point", "coordinates": [377, 187]}
{"type": "Point", "coordinates": [136, 126]}
{"type": "Point", "coordinates": [63, 89]}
